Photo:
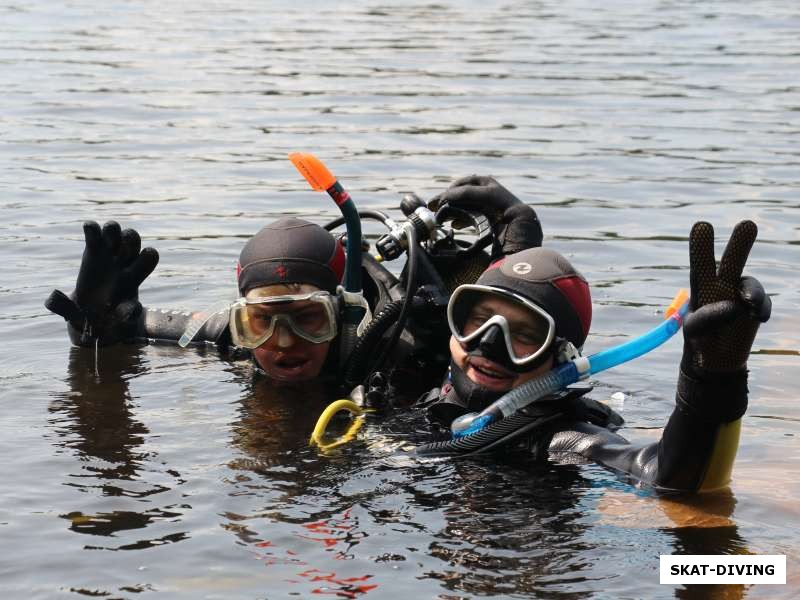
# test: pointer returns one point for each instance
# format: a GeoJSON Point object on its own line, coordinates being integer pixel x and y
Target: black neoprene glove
{"type": "Point", "coordinates": [726, 310]}
{"type": "Point", "coordinates": [105, 305]}
{"type": "Point", "coordinates": [515, 225]}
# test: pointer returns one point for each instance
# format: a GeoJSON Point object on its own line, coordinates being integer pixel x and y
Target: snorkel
{"type": "Point", "coordinates": [571, 372]}
{"type": "Point", "coordinates": [356, 310]}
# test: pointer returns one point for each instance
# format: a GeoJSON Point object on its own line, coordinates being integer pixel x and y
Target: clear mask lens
{"type": "Point", "coordinates": [527, 329]}
{"type": "Point", "coordinates": [311, 317]}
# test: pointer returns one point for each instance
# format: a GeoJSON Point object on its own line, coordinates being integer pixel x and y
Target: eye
{"type": "Point", "coordinates": [258, 321]}
{"type": "Point", "coordinates": [310, 320]}
{"type": "Point", "coordinates": [528, 337]}
{"type": "Point", "coordinates": [479, 316]}
{"type": "Point", "coordinates": [304, 318]}
{"type": "Point", "coordinates": [474, 320]}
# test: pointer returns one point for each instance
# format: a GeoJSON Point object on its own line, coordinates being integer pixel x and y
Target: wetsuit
{"type": "Point", "coordinates": [695, 452]}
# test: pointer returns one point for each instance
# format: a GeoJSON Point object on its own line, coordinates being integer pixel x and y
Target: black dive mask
{"type": "Point", "coordinates": [492, 346]}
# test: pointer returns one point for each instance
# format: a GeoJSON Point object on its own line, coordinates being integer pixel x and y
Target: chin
{"type": "Point", "coordinates": [280, 380]}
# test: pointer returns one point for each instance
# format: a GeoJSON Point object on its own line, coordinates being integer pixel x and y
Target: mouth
{"type": "Point", "coordinates": [290, 362]}
{"type": "Point", "coordinates": [289, 366]}
{"type": "Point", "coordinates": [489, 374]}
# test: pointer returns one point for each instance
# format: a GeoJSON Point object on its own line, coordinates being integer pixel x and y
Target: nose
{"type": "Point", "coordinates": [492, 344]}
{"type": "Point", "coordinates": [284, 338]}
{"type": "Point", "coordinates": [491, 337]}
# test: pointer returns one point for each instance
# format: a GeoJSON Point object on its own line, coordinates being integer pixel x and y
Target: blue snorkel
{"type": "Point", "coordinates": [573, 371]}
{"type": "Point", "coordinates": [356, 314]}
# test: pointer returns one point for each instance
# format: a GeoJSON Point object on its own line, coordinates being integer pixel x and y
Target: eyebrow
{"type": "Point", "coordinates": [281, 307]}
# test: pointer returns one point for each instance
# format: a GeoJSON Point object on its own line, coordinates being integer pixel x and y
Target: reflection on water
{"type": "Point", "coordinates": [701, 511]}
{"type": "Point", "coordinates": [622, 124]}
{"type": "Point", "coordinates": [96, 418]}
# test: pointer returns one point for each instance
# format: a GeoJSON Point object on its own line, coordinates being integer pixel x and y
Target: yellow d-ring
{"type": "Point", "coordinates": [325, 418]}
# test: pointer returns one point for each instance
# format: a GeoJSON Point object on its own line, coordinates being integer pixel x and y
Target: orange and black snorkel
{"type": "Point", "coordinates": [356, 310]}
{"type": "Point", "coordinates": [322, 180]}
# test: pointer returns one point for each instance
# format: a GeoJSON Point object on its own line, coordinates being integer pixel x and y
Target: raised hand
{"type": "Point", "coordinates": [105, 304]}
{"type": "Point", "coordinates": [515, 225]}
{"type": "Point", "coordinates": [726, 309]}
{"type": "Point", "coordinates": [481, 193]}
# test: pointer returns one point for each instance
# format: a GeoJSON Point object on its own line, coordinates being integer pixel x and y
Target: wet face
{"type": "Point", "coordinates": [524, 335]}
{"type": "Point", "coordinates": [286, 357]}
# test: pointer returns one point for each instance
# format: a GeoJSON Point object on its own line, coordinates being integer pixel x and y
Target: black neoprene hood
{"type": "Point", "coordinates": [549, 280]}
{"type": "Point", "coordinates": [291, 250]}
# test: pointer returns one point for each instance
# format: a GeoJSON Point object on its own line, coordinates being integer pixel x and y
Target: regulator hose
{"type": "Point", "coordinates": [365, 213]}
{"type": "Point", "coordinates": [411, 290]}
{"type": "Point", "coordinates": [358, 363]}
{"type": "Point", "coordinates": [493, 435]}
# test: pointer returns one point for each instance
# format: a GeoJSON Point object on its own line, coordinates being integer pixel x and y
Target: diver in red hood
{"type": "Point", "coordinates": [531, 311]}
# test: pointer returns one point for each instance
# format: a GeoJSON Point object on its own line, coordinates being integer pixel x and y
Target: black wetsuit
{"type": "Point", "coordinates": [695, 452]}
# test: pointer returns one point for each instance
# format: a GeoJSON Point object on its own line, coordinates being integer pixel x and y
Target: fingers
{"type": "Point", "coordinates": [753, 294]}
{"type": "Point", "coordinates": [473, 180]}
{"type": "Point", "coordinates": [129, 247]}
{"type": "Point", "coordinates": [435, 203]}
{"type": "Point", "coordinates": [125, 311]}
{"type": "Point", "coordinates": [141, 267]}
{"type": "Point", "coordinates": [472, 192]}
{"type": "Point", "coordinates": [112, 235]}
{"type": "Point", "coordinates": [736, 252]}
{"type": "Point", "coordinates": [753, 301]}
{"type": "Point", "coordinates": [92, 235]}
{"type": "Point", "coordinates": [59, 303]}
{"type": "Point", "coordinates": [126, 244]}
{"type": "Point", "coordinates": [702, 268]}
{"type": "Point", "coordinates": [466, 196]}
{"type": "Point", "coordinates": [710, 317]}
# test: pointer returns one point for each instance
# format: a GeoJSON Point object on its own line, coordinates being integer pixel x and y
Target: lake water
{"type": "Point", "coordinates": [174, 474]}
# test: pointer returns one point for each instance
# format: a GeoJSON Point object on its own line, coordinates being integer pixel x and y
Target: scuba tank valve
{"type": "Point", "coordinates": [392, 244]}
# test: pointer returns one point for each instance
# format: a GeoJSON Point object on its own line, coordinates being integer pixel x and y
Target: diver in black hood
{"type": "Point", "coordinates": [531, 311]}
{"type": "Point", "coordinates": [289, 313]}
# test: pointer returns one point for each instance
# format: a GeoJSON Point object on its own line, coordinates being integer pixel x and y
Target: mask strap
{"type": "Point", "coordinates": [200, 319]}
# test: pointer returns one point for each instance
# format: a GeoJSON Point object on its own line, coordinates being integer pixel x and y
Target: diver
{"type": "Point", "coordinates": [531, 311]}
{"type": "Point", "coordinates": [289, 313]}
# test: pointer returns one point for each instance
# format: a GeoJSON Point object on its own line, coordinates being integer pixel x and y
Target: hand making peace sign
{"type": "Point", "coordinates": [726, 309]}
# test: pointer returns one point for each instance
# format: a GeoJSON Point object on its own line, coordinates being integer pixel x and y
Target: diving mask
{"type": "Point", "coordinates": [312, 317]}
{"type": "Point", "coordinates": [481, 316]}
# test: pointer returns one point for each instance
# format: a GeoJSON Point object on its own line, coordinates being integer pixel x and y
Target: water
{"type": "Point", "coordinates": [171, 473]}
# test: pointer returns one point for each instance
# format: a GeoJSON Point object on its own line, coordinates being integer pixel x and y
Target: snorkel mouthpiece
{"type": "Point", "coordinates": [472, 423]}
